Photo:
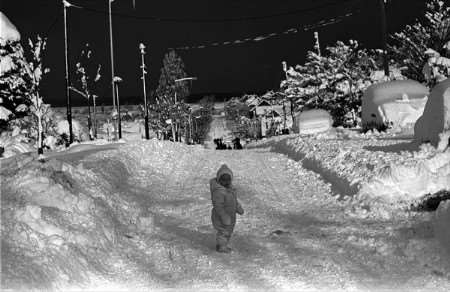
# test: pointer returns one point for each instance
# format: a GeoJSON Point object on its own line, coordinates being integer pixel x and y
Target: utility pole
{"type": "Point", "coordinates": [66, 53]}
{"type": "Point", "coordinates": [384, 36]}
{"type": "Point", "coordinates": [94, 97]}
{"type": "Point", "coordinates": [111, 47]}
{"type": "Point", "coordinates": [317, 43]}
{"type": "Point", "coordinates": [142, 48]}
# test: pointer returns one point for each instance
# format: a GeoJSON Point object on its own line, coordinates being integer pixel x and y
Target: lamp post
{"type": "Point", "coordinates": [117, 80]}
{"type": "Point", "coordinates": [67, 75]}
{"type": "Point", "coordinates": [142, 48]}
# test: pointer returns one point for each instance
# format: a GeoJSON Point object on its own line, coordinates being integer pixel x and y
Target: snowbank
{"type": "Point", "coordinates": [408, 180]}
{"type": "Point", "coordinates": [8, 32]}
{"type": "Point", "coordinates": [59, 223]}
{"type": "Point", "coordinates": [436, 116]}
{"type": "Point", "coordinates": [399, 103]}
{"type": "Point", "coordinates": [372, 169]}
{"type": "Point", "coordinates": [67, 223]}
{"type": "Point", "coordinates": [313, 121]}
{"type": "Point", "coordinates": [441, 225]}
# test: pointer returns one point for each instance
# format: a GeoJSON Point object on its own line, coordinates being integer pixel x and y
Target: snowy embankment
{"type": "Point", "coordinates": [372, 169]}
{"type": "Point", "coordinates": [64, 223]}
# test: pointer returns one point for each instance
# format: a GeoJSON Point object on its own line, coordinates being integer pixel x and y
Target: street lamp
{"type": "Point", "coordinates": [142, 48]}
{"type": "Point", "coordinates": [116, 81]}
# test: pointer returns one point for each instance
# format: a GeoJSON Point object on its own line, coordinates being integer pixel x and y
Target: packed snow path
{"type": "Point", "coordinates": [293, 235]}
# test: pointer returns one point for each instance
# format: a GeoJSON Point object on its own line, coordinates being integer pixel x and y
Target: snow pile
{"type": "Point", "coordinates": [397, 103]}
{"type": "Point", "coordinates": [313, 121]}
{"type": "Point", "coordinates": [59, 224]}
{"type": "Point", "coordinates": [66, 224]}
{"type": "Point", "coordinates": [436, 116]}
{"type": "Point", "coordinates": [441, 225]}
{"type": "Point", "coordinates": [8, 32]}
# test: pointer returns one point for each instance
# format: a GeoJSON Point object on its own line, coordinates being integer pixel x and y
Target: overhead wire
{"type": "Point", "coordinates": [218, 20]}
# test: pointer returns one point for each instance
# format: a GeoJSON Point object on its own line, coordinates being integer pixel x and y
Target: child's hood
{"type": "Point", "coordinates": [224, 169]}
{"type": "Point", "coordinates": [214, 183]}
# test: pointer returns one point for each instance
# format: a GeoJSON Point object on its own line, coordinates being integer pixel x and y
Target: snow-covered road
{"type": "Point", "coordinates": [294, 234]}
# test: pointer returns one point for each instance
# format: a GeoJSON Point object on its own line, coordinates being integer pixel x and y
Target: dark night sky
{"type": "Point", "coordinates": [248, 67]}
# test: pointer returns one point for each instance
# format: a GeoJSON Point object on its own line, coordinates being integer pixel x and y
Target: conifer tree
{"type": "Point", "coordinates": [170, 94]}
{"type": "Point", "coordinates": [173, 69]}
{"type": "Point", "coordinates": [428, 38]}
{"type": "Point", "coordinates": [15, 82]}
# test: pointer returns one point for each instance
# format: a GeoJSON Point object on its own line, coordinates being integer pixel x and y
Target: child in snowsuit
{"type": "Point", "coordinates": [225, 207]}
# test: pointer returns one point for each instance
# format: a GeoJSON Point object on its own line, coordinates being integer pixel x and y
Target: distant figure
{"type": "Point", "coordinates": [229, 147]}
{"type": "Point", "coordinates": [237, 144]}
{"type": "Point", "coordinates": [225, 207]}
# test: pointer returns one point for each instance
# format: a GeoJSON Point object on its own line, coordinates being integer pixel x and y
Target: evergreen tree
{"type": "Point", "coordinates": [15, 82]}
{"type": "Point", "coordinates": [415, 45]}
{"type": "Point", "coordinates": [170, 94]}
{"type": "Point", "coordinates": [333, 81]}
{"type": "Point", "coordinates": [173, 69]}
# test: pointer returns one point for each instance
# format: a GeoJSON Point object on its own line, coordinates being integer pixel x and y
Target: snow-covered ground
{"type": "Point", "coordinates": [136, 216]}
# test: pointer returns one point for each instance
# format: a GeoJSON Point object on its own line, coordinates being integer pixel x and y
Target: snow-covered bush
{"type": "Point", "coordinates": [437, 68]}
{"type": "Point", "coordinates": [430, 34]}
{"type": "Point", "coordinates": [79, 134]}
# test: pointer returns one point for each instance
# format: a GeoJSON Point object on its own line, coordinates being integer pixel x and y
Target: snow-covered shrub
{"type": "Point", "coordinates": [79, 134]}
{"type": "Point", "coordinates": [437, 68]}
